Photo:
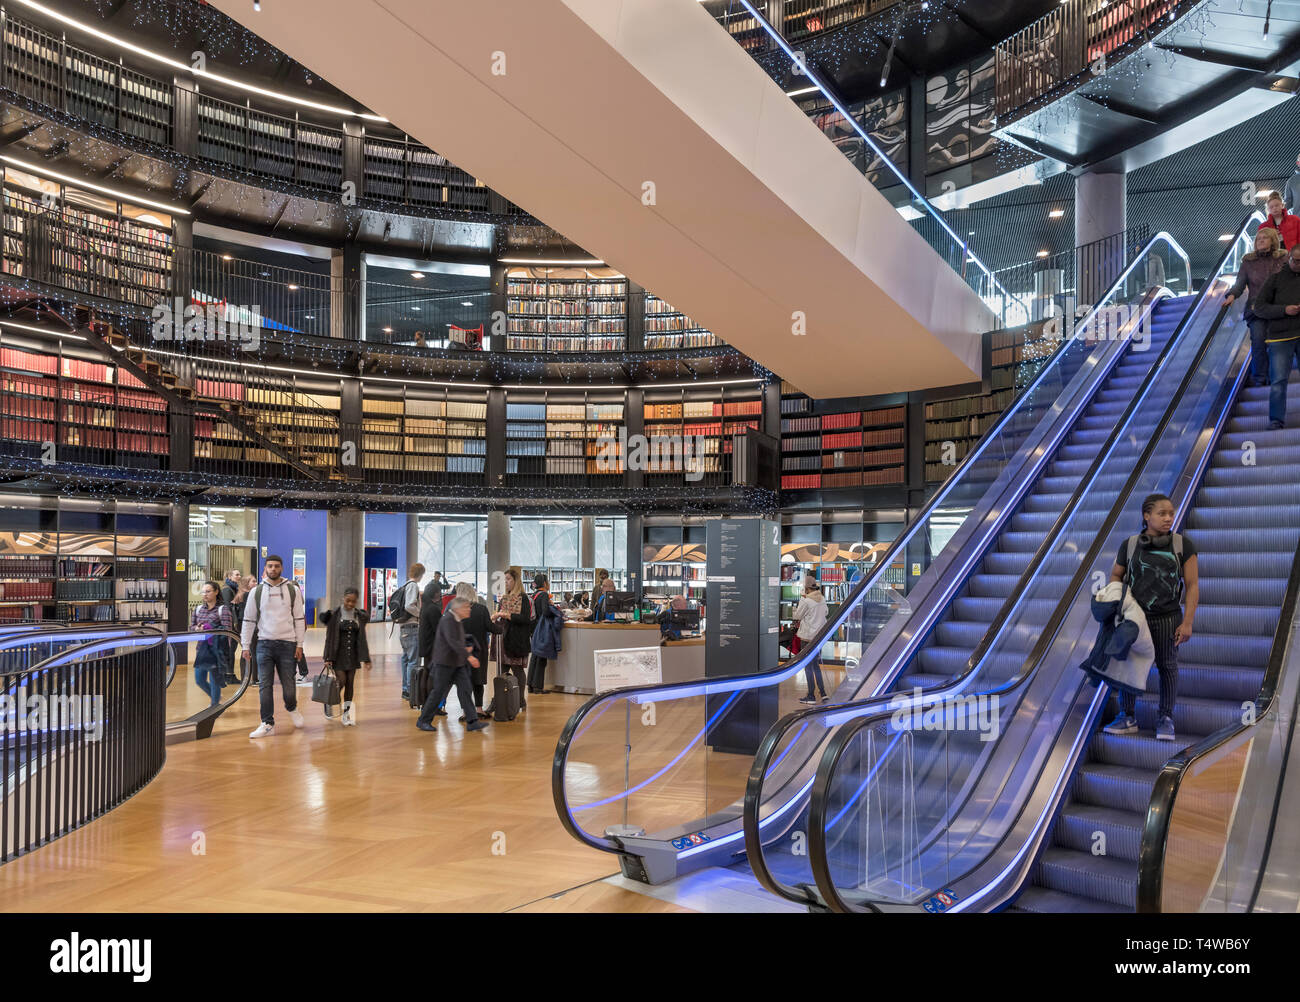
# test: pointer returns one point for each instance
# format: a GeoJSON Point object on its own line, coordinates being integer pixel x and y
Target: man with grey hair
{"type": "Point", "coordinates": [452, 659]}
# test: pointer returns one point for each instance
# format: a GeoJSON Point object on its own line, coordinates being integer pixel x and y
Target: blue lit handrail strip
{"type": "Point", "coordinates": [819, 821]}
{"type": "Point", "coordinates": [732, 684]}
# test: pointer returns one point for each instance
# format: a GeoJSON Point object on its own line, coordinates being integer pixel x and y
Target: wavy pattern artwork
{"type": "Point", "coordinates": [959, 115]}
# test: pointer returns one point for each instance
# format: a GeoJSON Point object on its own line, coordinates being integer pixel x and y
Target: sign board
{"type": "Point", "coordinates": [180, 566]}
{"type": "Point", "coordinates": [626, 666]}
{"type": "Point", "coordinates": [300, 570]}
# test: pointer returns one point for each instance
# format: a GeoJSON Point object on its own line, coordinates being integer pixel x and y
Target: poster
{"type": "Point", "coordinates": [300, 570]}
{"type": "Point", "coordinates": [616, 669]}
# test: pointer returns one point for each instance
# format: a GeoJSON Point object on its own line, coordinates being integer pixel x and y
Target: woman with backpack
{"type": "Point", "coordinates": [513, 620]}
{"type": "Point", "coordinates": [346, 649]}
{"type": "Point", "coordinates": [1158, 566]}
{"type": "Point", "coordinates": [211, 614]}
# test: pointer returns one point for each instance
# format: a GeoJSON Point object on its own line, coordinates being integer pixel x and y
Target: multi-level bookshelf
{"type": "Point", "coordinates": [666, 327]}
{"type": "Point", "coordinates": [860, 448]}
{"type": "Point", "coordinates": [85, 242]}
{"type": "Point", "coordinates": [673, 563]}
{"type": "Point", "coordinates": [566, 309]}
{"type": "Point", "coordinates": [410, 433]}
{"type": "Point", "coordinates": [83, 561]}
{"type": "Point", "coordinates": [563, 438]}
{"type": "Point", "coordinates": [706, 416]}
{"type": "Point", "coordinates": [89, 411]}
{"type": "Point", "coordinates": [566, 580]}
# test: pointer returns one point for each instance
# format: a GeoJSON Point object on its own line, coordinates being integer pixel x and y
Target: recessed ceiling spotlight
{"type": "Point", "coordinates": [466, 302]}
{"type": "Point", "coordinates": [1043, 253]}
{"type": "Point", "coordinates": [1225, 238]}
{"type": "Point", "coordinates": [417, 274]}
{"type": "Point", "coordinates": [292, 287]}
{"type": "Point", "coordinates": [227, 257]}
{"type": "Point", "coordinates": [1056, 214]}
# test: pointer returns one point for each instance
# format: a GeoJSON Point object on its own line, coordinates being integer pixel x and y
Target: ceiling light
{"type": "Point", "coordinates": [1056, 214]}
{"type": "Point", "coordinates": [797, 93]}
{"type": "Point", "coordinates": [1225, 238]}
{"type": "Point", "coordinates": [466, 302]}
{"type": "Point", "coordinates": [227, 257]}
{"type": "Point", "coordinates": [416, 309]}
{"type": "Point", "coordinates": [551, 261]}
{"type": "Point", "coordinates": [187, 68]}
{"type": "Point", "coordinates": [82, 183]}
{"type": "Point", "coordinates": [417, 274]}
{"type": "Point", "coordinates": [292, 287]}
{"type": "Point", "coordinates": [557, 521]}
{"type": "Point", "coordinates": [1043, 253]}
{"type": "Point", "coordinates": [309, 316]}
{"type": "Point", "coordinates": [388, 330]}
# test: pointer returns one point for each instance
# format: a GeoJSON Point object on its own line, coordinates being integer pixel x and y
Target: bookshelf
{"type": "Point", "coordinates": [564, 438]}
{"type": "Point", "coordinates": [565, 309]}
{"type": "Point", "coordinates": [83, 561]}
{"type": "Point", "coordinates": [666, 327]}
{"type": "Point", "coordinates": [859, 448]}
{"type": "Point", "coordinates": [410, 434]}
{"type": "Point", "coordinates": [84, 242]}
{"type": "Point", "coordinates": [706, 416]}
{"type": "Point", "coordinates": [564, 580]}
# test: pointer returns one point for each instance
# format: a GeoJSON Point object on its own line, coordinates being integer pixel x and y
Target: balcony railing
{"type": "Point", "coordinates": [1076, 37]}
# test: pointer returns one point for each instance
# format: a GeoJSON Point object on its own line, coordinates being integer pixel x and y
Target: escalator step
{"type": "Point", "coordinates": [1079, 825]}
{"type": "Point", "coordinates": [1122, 787]}
{"type": "Point", "coordinates": [1100, 878]}
{"type": "Point", "coordinates": [1138, 751]}
{"type": "Point", "coordinates": [1047, 901]}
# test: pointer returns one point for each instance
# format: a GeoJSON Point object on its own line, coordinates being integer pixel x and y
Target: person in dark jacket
{"type": "Point", "coordinates": [541, 602]}
{"type": "Point", "coordinates": [1258, 267]}
{"type": "Point", "coordinates": [477, 625]}
{"type": "Point", "coordinates": [513, 620]}
{"type": "Point", "coordinates": [1278, 302]}
{"type": "Point", "coordinates": [430, 616]}
{"type": "Point", "coordinates": [451, 662]}
{"type": "Point", "coordinates": [346, 649]}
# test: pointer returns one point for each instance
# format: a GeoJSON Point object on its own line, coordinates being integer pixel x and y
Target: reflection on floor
{"type": "Point", "coordinates": [380, 817]}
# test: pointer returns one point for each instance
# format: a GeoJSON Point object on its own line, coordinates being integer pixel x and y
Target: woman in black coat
{"type": "Point", "coordinates": [346, 649]}
{"type": "Point", "coordinates": [477, 625]}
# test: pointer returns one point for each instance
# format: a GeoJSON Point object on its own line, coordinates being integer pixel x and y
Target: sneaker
{"type": "Point", "coordinates": [1275, 425]}
{"type": "Point", "coordinates": [304, 680]}
{"type": "Point", "coordinates": [1165, 729]}
{"type": "Point", "coordinates": [296, 717]}
{"type": "Point", "coordinates": [406, 696]}
{"type": "Point", "coordinates": [808, 699]}
{"type": "Point", "coordinates": [825, 698]}
{"type": "Point", "coordinates": [440, 712]}
{"type": "Point", "coordinates": [478, 725]}
{"type": "Point", "coordinates": [425, 727]}
{"type": "Point", "coordinates": [1123, 724]}
{"type": "Point", "coordinates": [263, 731]}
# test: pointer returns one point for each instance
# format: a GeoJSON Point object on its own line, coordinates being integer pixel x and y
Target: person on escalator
{"type": "Point", "coordinates": [811, 615]}
{"type": "Point", "coordinates": [1278, 302]}
{"type": "Point", "coordinates": [1161, 570]}
{"type": "Point", "coordinates": [1258, 267]}
{"type": "Point", "coordinates": [1282, 221]}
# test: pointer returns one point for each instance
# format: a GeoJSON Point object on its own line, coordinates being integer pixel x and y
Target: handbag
{"type": "Point", "coordinates": [325, 689]}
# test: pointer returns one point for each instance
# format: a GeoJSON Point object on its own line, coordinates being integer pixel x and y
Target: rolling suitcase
{"type": "Point", "coordinates": [505, 697]}
{"type": "Point", "coordinates": [420, 686]}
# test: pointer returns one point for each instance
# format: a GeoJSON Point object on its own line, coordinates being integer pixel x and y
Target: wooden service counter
{"type": "Point", "coordinates": [575, 669]}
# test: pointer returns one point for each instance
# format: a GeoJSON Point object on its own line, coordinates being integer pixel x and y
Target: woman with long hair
{"type": "Point", "coordinates": [513, 620]}
{"type": "Point", "coordinates": [346, 650]}
{"type": "Point", "coordinates": [1258, 267]}
{"type": "Point", "coordinates": [211, 614]}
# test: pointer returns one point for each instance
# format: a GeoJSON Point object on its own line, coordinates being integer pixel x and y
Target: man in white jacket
{"type": "Point", "coordinates": [810, 613]}
{"type": "Point", "coordinates": [275, 611]}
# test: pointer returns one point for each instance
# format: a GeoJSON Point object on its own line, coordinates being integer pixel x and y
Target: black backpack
{"type": "Point", "coordinates": [397, 605]}
{"type": "Point", "coordinates": [1149, 577]}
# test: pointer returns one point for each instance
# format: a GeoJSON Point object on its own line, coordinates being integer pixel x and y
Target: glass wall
{"type": "Point", "coordinates": [457, 546]}
{"type": "Point", "coordinates": [220, 539]}
{"type": "Point", "coordinates": [557, 542]}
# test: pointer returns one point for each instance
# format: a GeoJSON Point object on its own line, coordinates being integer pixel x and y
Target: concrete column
{"type": "Point", "coordinates": [1100, 210]}
{"type": "Point", "coordinates": [413, 542]}
{"type": "Point", "coordinates": [348, 292]}
{"type": "Point", "coordinates": [587, 542]}
{"type": "Point", "coordinates": [345, 553]}
{"type": "Point", "coordinates": [178, 582]}
{"type": "Point", "coordinates": [498, 548]}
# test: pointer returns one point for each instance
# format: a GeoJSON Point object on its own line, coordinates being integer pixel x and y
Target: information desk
{"type": "Point", "coordinates": [575, 669]}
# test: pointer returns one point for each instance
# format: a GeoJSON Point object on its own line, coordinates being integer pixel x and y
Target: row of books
{"type": "Point", "coordinates": [863, 478]}
{"type": "Point", "coordinates": [579, 342]}
{"type": "Point", "coordinates": [965, 406]}
{"type": "Point", "coordinates": [26, 567]}
{"type": "Point", "coordinates": [82, 591]}
{"type": "Point", "coordinates": [973, 427]}
{"type": "Point", "coordinates": [14, 591]}
{"type": "Point", "coordinates": [562, 466]}
{"type": "Point", "coordinates": [843, 460]}
{"type": "Point", "coordinates": [564, 288]}
{"type": "Point", "coordinates": [659, 342]}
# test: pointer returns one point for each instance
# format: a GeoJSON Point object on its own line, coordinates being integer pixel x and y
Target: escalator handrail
{"type": "Point", "coordinates": [772, 740]}
{"type": "Point", "coordinates": [201, 717]}
{"type": "Point", "coordinates": [94, 646]}
{"type": "Point", "coordinates": [794, 665]}
{"type": "Point", "coordinates": [86, 634]}
{"type": "Point", "coordinates": [837, 746]}
{"type": "Point", "coordinates": [1164, 794]}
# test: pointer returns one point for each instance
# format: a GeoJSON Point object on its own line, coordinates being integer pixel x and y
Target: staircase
{"type": "Point", "coordinates": [251, 422]}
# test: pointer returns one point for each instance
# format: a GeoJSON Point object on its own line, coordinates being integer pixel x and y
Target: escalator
{"type": "Point", "coordinates": [636, 771]}
{"type": "Point", "coordinates": [1245, 522]}
{"type": "Point", "coordinates": [905, 819]}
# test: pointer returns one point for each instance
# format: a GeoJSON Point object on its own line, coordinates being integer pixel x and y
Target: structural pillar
{"type": "Point", "coordinates": [1100, 211]}
{"type": "Point", "coordinates": [413, 542]}
{"type": "Point", "coordinates": [498, 550]}
{"type": "Point", "coordinates": [348, 292]}
{"type": "Point", "coordinates": [345, 553]}
{"type": "Point", "coordinates": [587, 542]}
